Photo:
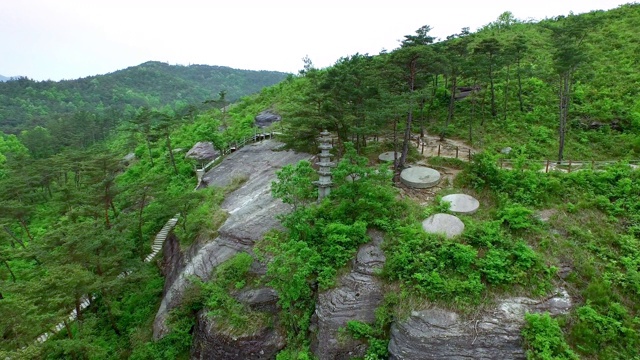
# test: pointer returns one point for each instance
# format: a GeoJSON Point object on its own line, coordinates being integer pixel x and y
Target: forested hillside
{"type": "Point", "coordinates": [517, 70]}
{"type": "Point", "coordinates": [74, 215]}
{"type": "Point", "coordinates": [25, 103]}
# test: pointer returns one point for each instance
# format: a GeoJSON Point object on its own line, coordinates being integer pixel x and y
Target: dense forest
{"type": "Point", "coordinates": [25, 103]}
{"type": "Point", "coordinates": [75, 216]}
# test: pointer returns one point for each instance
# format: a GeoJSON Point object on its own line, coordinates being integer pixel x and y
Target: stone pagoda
{"type": "Point", "coordinates": [325, 165]}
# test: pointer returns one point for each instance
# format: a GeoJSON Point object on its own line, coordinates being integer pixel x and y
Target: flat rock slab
{"type": "Point", "coordinates": [462, 203]}
{"type": "Point", "coordinates": [443, 224]}
{"type": "Point", "coordinates": [420, 177]}
{"type": "Point", "coordinates": [388, 156]}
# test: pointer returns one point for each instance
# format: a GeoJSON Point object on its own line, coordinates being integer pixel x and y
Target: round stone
{"type": "Point", "coordinates": [420, 177]}
{"type": "Point", "coordinates": [446, 224]}
{"type": "Point", "coordinates": [388, 156]}
{"type": "Point", "coordinates": [462, 203]}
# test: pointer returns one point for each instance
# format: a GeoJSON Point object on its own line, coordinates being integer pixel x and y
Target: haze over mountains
{"type": "Point", "coordinates": [3, 78]}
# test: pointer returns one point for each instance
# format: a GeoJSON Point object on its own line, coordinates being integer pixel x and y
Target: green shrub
{"type": "Point", "coordinates": [515, 216]}
{"type": "Point", "coordinates": [543, 339]}
{"type": "Point", "coordinates": [607, 332]}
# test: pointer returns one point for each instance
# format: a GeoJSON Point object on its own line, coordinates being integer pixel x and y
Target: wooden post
{"type": "Point", "coordinates": [423, 148]}
{"type": "Point", "coordinates": [456, 152]}
{"type": "Point", "coordinates": [546, 169]}
{"type": "Point", "coordinates": [469, 154]}
{"type": "Point", "coordinates": [438, 149]}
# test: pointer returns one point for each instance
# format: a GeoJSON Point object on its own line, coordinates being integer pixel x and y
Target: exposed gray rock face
{"type": "Point", "coordinates": [202, 151]}
{"type": "Point", "coordinates": [356, 297]}
{"type": "Point", "coordinates": [172, 261]}
{"type": "Point", "coordinates": [266, 118]}
{"type": "Point", "coordinates": [441, 334]}
{"type": "Point", "coordinates": [210, 344]}
{"type": "Point", "coordinates": [252, 212]}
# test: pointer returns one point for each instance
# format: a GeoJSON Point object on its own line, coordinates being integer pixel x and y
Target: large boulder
{"type": "Point", "coordinates": [266, 118]}
{"type": "Point", "coordinates": [442, 334]}
{"type": "Point", "coordinates": [252, 212]}
{"type": "Point", "coordinates": [202, 151]}
{"type": "Point", "coordinates": [356, 297]}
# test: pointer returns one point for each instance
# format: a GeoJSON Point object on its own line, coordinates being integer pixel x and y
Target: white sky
{"type": "Point", "coordinates": [67, 39]}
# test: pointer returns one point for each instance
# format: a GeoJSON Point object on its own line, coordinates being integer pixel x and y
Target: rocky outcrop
{"type": "Point", "coordinates": [252, 211]}
{"type": "Point", "coordinates": [441, 334]}
{"type": "Point", "coordinates": [172, 261]}
{"type": "Point", "coordinates": [266, 118]}
{"type": "Point", "coordinates": [356, 297]}
{"type": "Point", "coordinates": [209, 343]}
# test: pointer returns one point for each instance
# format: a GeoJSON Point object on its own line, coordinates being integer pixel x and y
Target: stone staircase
{"type": "Point", "coordinates": [85, 301]}
{"type": "Point", "coordinates": [161, 237]}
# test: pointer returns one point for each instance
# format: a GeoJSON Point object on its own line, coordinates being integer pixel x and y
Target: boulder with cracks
{"type": "Point", "coordinates": [356, 297]}
{"type": "Point", "coordinates": [441, 334]}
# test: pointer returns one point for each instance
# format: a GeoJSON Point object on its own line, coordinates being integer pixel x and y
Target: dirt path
{"type": "Point", "coordinates": [446, 148]}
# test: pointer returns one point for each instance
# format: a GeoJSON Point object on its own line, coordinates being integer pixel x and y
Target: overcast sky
{"type": "Point", "coordinates": [68, 39]}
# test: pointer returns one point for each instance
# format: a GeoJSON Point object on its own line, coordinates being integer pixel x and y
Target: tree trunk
{"type": "Point", "coordinates": [13, 276]}
{"type": "Point", "coordinates": [473, 110]}
{"type": "Point", "coordinates": [112, 319]}
{"type": "Point", "coordinates": [78, 312]}
{"type": "Point", "coordinates": [407, 138]}
{"type": "Point", "coordinates": [506, 94]}
{"type": "Point", "coordinates": [14, 237]}
{"type": "Point", "coordinates": [395, 143]}
{"type": "Point", "coordinates": [141, 222]}
{"type": "Point", "coordinates": [452, 100]}
{"type": "Point", "coordinates": [564, 107]}
{"type": "Point", "coordinates": [494, 111]}
{"type": "Point", "coordinates": [149, 148]}
{"type": "Point", "coordinates": [482, 103]}
{"type": "Point", "coordinates": [173, 160]}
{"type": "Point", "coordinates": [66, 326]}
{"type": "Point", "coordinates": [519, 86]}
{"type": "Point", "coordinates": [24, 226]}
{"type": "Point", "coordinates": [423, 101]}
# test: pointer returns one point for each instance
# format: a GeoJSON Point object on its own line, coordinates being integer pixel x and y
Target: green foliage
{"type": "Point", "coordinates": [447, 162]}
{"type": "Point", "coordinates": [544, 340]}
{"type": "Point", "coordinates": [606, 330]}
{"type": "Point", "coordinates": [377, 349]}
{"type": "Point", "coordinates": [459, 271]}
{"type": "Point", "coordinates": [515, 216]}
{"type": "Point", "coordinates": [295, 184]}
{"type": "Point", "coordinates": [152, 84]}
{"type": "Point", "coordinates": [227, 313]}
{"type": "Point", "coordinates": [322, 238]}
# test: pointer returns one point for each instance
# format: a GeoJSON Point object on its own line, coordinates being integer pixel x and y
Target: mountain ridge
{"type": "Point", "coordinates": [25, 103]}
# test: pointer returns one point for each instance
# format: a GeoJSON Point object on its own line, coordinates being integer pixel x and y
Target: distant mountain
{"type": "Point", "coordinates": [25, 103]}
{"type": "Point", "coordinates": [4, 78]}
